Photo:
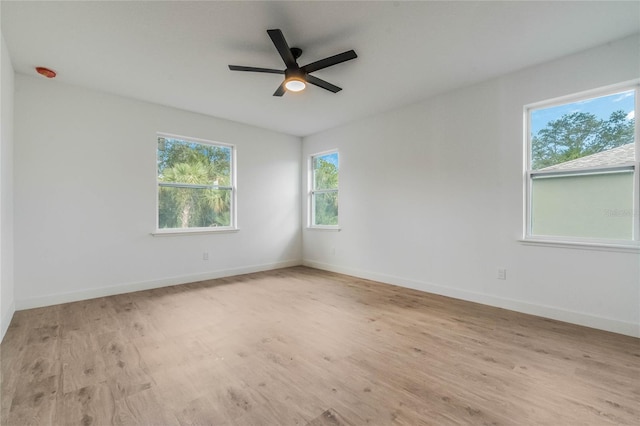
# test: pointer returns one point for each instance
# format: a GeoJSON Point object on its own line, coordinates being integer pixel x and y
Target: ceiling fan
{"type": "Point", "coordinates": [295, 76]}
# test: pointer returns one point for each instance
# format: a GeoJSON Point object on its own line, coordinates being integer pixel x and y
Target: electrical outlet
{"type": "Point", "coordinates": [205, 255]}
{"type": "Point", "coordinates": [502, 274]}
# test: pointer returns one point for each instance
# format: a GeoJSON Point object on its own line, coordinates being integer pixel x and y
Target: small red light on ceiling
{"type": "Point", "coordinates": [46, 72]}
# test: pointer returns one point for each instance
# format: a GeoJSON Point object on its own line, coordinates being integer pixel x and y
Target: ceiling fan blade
{"type": "Point", "coordinates": [283, 48]}
{"type": "Point", "coordinates": [280, 90]}
{"type": "Point", "coordinates": [254, 69]}
{"type": "Point", "coordinates": [327, 62]}
{"type": "Point", "coordinates": [321, 83]}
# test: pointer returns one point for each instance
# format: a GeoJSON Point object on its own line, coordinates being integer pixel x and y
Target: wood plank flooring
{"type": "Point", "coordinates": [299, 346]}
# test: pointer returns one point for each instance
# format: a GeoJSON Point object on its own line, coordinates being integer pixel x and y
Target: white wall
{"type": "Point", "coordinates": [85, 193]}
{"type": "Point", "coordinates": [7, 306]}
{"type": "Point", "coordinates": [431, 197]}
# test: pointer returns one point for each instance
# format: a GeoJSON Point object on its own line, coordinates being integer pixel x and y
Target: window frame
{"type": "Point", "coordinates": [529, 175]}
{"type": "Point", "coordinates": [233, 226]}
{"type": "Point", "coordinates": [312, 192]}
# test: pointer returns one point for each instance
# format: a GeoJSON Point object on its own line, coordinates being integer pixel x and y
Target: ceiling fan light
{"type": "Point", "coordinates": [295, 84]}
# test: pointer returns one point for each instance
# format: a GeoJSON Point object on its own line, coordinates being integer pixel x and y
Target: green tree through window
{"type": "Point", "coordinates": [194, 184]}
{"type": "Point", "coordinates": [578, 134]}
{"type": "Point", "coordinates": [324, 193]}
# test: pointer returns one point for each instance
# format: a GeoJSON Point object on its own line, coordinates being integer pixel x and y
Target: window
{"type": "Point", "coordinates": [195, 185]}
{"type": "Point", "coordinates": [324, 190]}
{"type": "Point", "coordinates": [582, 170]}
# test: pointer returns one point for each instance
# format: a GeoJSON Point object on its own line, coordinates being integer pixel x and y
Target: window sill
{"type": "Point", "coordinates": [197, 231]}
{"type": "Point", "coordinates": [632, 247]}
{"type": "Point", "coordinates": [324, 228]}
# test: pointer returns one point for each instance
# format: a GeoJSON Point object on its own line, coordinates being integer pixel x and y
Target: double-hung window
{"type": "Point", "coordinates": [324, 190]}
{"type": "Point", "coordinates": [196, 188]}
{"type": "Point", "coordinates": [581, 169]}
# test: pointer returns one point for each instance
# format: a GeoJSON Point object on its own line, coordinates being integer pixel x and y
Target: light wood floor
{"type": "Point", "coordinates": [299, 346]}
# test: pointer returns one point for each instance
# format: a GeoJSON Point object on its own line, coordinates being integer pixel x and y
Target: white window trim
{"type": "Point", "coordinates": [598, 245]}
{"type": "Point", "coordinates": [528, 238]}
{"type": "Point", "coordinates": [311, 192]}
{"type": "Point", "coordinates": [176, 232]}
{"type": "Point", "coordinates": [164, 232]}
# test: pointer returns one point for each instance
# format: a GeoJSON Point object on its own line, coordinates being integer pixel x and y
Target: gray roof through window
{"type": "Point", "coordinates": [613, 157]}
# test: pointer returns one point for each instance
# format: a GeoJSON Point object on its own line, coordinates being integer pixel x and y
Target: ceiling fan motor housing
{"type": "Point", "coordinates": [294, 74]}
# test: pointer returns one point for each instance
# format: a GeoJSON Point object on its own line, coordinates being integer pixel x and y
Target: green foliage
{"type": "Point", "coordinates": [326, 208]}
{"type": "Point", "coordinates": [325, 174]}
{"type": "Point", "coordinates": [326, 204]}
{"type": "Point", "coordinates": [181, 162]}
{"type": "Point", "coordinates": [216, 159]}
{"type": "Point", "coordinates": [577, 135]}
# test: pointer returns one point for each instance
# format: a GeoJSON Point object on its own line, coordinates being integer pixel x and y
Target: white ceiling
{"type": "Point", "coordinates": [176, 53]}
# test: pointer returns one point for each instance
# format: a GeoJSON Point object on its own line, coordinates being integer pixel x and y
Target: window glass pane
{"type": "Point", "coordinates": [325, 171]}
{"type": "Point", "coordinates": [590, 133]}
{"type": "Point", "coordinates": [587, 206]}
{"type": "Point", "coordinates": [195, 163]}
{"type": "Point", "coordinates": [193, 207]}
{"type": "Point", "coordinates": [325, 207]}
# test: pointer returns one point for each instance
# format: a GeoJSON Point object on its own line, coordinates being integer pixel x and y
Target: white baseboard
{"type": "Point", "coordinates": [58, 298]}
{"type": "Point", "coordinates": [6, 320]}
{"type": "Point", "coordinates": [579, 318]}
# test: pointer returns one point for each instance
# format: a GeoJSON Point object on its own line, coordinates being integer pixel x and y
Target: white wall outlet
{"type": "Point", "coordinates": [205, 255]}
{"type": "Point", "coordinates": [502, 273]}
